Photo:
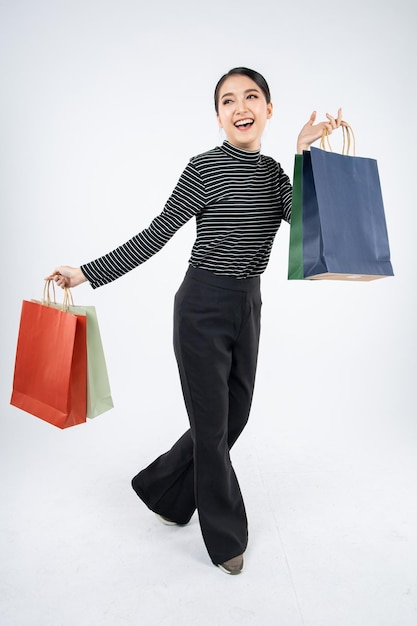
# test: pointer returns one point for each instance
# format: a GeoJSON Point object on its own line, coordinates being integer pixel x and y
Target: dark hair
{"type": "Point", "coordinates": [243, 71]}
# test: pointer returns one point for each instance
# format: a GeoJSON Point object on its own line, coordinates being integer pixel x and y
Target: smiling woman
{"type": "Point", "coordinates": [238, 198]}
{"type": "Point", "coordinates": [243, 106]}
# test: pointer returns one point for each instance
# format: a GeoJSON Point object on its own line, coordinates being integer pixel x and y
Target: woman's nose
{"type": "Point", "coordinates": [241, 105]}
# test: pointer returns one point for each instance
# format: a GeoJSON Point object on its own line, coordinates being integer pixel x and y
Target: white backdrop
{"type": "Point", "coordinates": [102, 104]}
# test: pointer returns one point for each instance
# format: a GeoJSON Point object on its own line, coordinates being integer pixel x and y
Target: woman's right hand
{"type": "Point", "coordinates": [66, 276]}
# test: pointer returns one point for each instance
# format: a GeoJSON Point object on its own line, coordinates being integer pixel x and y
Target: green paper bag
{"type": "Point", "coordinates": [99, 398]}
{"type": "Point", "coordinates": [295, 261]}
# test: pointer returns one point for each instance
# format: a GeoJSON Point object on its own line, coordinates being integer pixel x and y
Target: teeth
{"type": "Point", "coordinates": [244, 122]}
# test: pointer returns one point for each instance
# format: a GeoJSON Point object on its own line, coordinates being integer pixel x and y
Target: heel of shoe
{"type": "Point", "coordinates": [232, 566]}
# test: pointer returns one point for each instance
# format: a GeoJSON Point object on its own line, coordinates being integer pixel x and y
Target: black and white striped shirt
{"type": "Point", "coordinates": [238, 198]}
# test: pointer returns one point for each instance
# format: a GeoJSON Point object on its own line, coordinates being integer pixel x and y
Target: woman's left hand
{"type": "Point", "coordinates": [66, 276]}
{"type": "Point", "coordinates": [311, 132]}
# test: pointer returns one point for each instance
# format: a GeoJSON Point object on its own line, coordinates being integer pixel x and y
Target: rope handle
{"type": "Point", "coordinates": [68, 299]}
{"type": "Point", "coordinates": [46, 295]}
{"type": "Point", "coordinates": [348, 140]}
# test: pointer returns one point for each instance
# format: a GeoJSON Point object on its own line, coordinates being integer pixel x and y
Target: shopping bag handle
{"type": "Point", "coordinates": [68, 299]}
{"type": "Point", "coordinates": [46, 295]}
{"type": "Point", "coordinates": [348, 140]}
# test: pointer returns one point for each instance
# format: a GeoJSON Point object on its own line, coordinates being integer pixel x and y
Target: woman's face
{"type": "Point", "coordinates": [243, 112]}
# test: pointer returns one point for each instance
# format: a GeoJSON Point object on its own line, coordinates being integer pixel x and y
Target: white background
{"type": "Point", "coordinates": [102, 104]}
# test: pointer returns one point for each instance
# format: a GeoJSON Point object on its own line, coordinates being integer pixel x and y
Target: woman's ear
{"type": "Point", "coordinates": [269, 110]}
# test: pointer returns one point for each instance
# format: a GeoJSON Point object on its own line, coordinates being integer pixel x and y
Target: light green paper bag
{"type": "Point", "coordinates": [99, 398]}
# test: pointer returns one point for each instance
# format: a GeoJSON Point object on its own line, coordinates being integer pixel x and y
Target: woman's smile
{"type": "Point", "coordinates": [244, 124]}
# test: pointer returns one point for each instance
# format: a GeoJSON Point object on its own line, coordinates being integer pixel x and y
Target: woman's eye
{"type": "Point", "coordinates": [228, 101]}
{"type": "Point", "coordinates": [252, 95]}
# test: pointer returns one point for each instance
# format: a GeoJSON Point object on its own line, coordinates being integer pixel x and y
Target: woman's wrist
{"type": "Point", "coordinates": [301, 147]}
{"type": "Point", "coordinates": [81, 277]}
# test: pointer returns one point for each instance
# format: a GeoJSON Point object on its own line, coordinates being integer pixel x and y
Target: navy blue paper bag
{"type": "Point", "coordinates": [343, 219]}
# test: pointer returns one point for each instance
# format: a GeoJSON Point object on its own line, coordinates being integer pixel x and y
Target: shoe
{"type": "Point", "coordinates": [165, 520]}
{"type": "Point", "coordinates": [232, 566]}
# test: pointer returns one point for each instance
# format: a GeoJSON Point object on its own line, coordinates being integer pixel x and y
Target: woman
{"type": "Point", "coordinates": [239, 198]}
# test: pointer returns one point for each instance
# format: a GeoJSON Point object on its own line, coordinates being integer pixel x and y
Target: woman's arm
{"type": "Point", "coordinates": [185, 202]}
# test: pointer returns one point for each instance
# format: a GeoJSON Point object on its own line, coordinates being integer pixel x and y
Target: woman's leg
{"type": "Point", "coordinates": [166, 486]}
{"type": "Point", "coordinates": [216, 341]}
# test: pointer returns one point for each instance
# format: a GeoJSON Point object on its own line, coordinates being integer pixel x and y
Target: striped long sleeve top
{"type": "Point", "coordinates": [239, 199]}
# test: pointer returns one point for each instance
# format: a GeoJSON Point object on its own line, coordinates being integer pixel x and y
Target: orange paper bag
{"type": "Point", "coordinates": [50, 377]}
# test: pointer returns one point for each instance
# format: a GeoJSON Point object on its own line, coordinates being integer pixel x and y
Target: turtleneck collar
{"type": "Point", "coordinates": [248, 156]}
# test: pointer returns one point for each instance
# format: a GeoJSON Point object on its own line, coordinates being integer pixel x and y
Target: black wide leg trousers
{"type": "Point", "coordinates": [216, 338]}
